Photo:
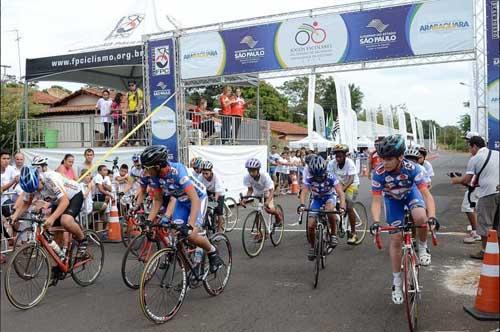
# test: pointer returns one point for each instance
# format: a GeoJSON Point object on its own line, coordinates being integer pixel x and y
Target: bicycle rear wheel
{"type": "Point", "coordinates": [85, 271]}
{"type": "Point", "coordinates": [135, 258]}
{"type": "Point", "coordinates": [130, 230]}
{"type": "Point", "coordinates": [410, 289]}
{"type": "Point", "coordinates": [27, 276]}
{"type": "Point", "coordinates": [231, 214]}
{"type": "Point", "coordinates": [318, 251]}
{"type": "Point", "coordinates": [215, 283]}
{"type": "Point", "coordinates": [163, 286]}
{"type": "Point", "coordinates": [361, 221]}
{"type": "Point", "coordinates": [253, 234]}
{"type": "Point", "coordinates": [277, 232]}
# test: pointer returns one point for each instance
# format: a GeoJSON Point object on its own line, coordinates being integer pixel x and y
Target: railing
{"type": "Point", "coordinates": [79, 131]}
{"type": "Point", "coordinates": [219, 129]}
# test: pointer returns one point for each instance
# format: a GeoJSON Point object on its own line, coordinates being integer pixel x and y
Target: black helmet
{"type": "Point", "coordinates": [155, 155]}
{"type": "Point", "coordinates": [308, 158]}
{"type": "Point", "coordinates": [391, 146]}
{"type": "Point", "coordinates": [317, 166]}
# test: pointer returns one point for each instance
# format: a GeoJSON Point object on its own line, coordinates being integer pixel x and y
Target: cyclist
{"type": "Point", "coordinates": [413, 154]}
{"type": "Point", "coordinates": [195, 164]}
{"type": "Point", "coordinates": [259, 183]}
{"type": "Point", "coordinates": [324, 188]}
{"type": "Point", "coordinates": [66, 194]}
{"type": "Point", "coordinates": [215, 190]}
{"type": "Point", "coordinates": [345, 171]}
{"type": "Point", "coordinates": [188, 197]}
{"type": "Point", "coordinates": [403, 185]}
{"type": "Point", "coordinates": [374, 159]}
{"type": "Point", "coordinates": [425, 163]}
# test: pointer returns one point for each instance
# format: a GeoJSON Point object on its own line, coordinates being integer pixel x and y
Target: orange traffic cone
{"type": "Point", "coordinates": [487, 306]}
{"type": "Point", "coordinates": [114, 227]}
{"type": "Point", "coordinates": [295, 185]}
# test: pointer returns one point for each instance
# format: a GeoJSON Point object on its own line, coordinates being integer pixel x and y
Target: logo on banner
{"type": "Point", "coordinates": [161, 60]}
{"type": "Point", "coordinates": [380, 40]}
{"type": "Point", "coordinates": [250, 54]}
{"type": "Point", "coordinates": [445, 26]}
{"type": "Point", "coordinates": [162, 90]}
{"type": "Point", "coordinates": [126, 26]}
{"type": "Point", "coordinates": [310, 34]}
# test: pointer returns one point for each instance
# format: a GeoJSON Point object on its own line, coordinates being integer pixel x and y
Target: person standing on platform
{"type": "Point", "coordinates": [238, 108]}
{"type": "Point", "coordinates": [225, 103]}
{"type": "Point", "coordinates": [135, 98]}
{"type": "Point", "coordinates": [104, 107]}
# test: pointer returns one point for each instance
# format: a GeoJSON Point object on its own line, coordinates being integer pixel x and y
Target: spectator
{"type": "Point", "coordinates": [104, 106]}
{"type": "Point", "coordinates": [238, 108]}
{"type": "Point", "coordinates": [87, 190]}
{"type": "Point", "coordinates": [9, 181]}
{"type": "Point", "coordinates": [88, 163]}
{"type": "Point", "coordinates": [116, 114]}
{"type": "Point", "coordinates": [225, 103]}
{"type": "Point", "coordinates": [135, 98]}
{"type": "Point", "coordinates": [484, 167]}
{"type": "Point", "coordinates": [102, 193]}
{"type": "Point", "coordinates": [123, 179]}
{"type": "Point", "coordinates": [203, 121]}
{"type": "Point", "coordinates": [66, 167]}
{"type": "Point", "coordinates": [19, 162]}
{"type": "Point", "coordinates": [273, 163]}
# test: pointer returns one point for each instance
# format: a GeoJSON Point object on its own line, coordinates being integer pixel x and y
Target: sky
{"type": "Point", "coordinates": [52, 27]}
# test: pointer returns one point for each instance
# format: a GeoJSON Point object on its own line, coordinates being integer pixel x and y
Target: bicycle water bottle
{"type": "Point", "coordinates": [198, 255]}
{"type": "Point", "coordinates": [53, 244]}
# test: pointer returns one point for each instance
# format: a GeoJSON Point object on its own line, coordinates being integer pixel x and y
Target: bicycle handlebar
{"type": "Point", "coordinates": [403, 228]}
{"type": "Point", "coordinates": [321, 211]}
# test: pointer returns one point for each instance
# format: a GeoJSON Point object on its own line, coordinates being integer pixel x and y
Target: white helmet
{"type": "Point", "coordinates": [39, 161]}
{"type": "Point", "coordinates": [413, 152]}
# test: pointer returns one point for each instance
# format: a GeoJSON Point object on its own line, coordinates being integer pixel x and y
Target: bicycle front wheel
{"type": "Point", "coordinates": [215, 283]}
{"type": "Point", "coordinates": [277, 231]}
{"type": "Point", "coordinates": [86, 270]}
{"type": "Point", "coordinates": [25, 236]}
{"type": "Point", "coordinates": [318, 251]}
{"type": "Point", "coordinates": [410, 289]}
{"type": "Point", "coordinates": [163, 286]}
{"type": "Point", "coordinates": [140, 250]}
{"type": "Point", "coordinates": [253, 234]}
{"type": "Point", "coordinates": [361, 221]}
{"type": "Point", "coordinates": [231, 214]}
{"type": "Point", "coordinates": [27, 276]}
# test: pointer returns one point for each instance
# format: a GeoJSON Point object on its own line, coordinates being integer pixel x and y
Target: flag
{"type": "Point", "coordinates": [336, 128]}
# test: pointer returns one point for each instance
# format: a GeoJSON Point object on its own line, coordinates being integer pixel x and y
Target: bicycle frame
{"type": "Point", "coordinates": [260, 210]}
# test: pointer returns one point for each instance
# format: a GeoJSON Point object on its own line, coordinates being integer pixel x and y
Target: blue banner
{"type": "Point", "coordinates": [161, 70]}
{"type": "Point", "coordinates": [493, 72]}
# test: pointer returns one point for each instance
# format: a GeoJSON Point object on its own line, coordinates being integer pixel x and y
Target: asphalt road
{"type": "Point", "coordinates": [274, 292]}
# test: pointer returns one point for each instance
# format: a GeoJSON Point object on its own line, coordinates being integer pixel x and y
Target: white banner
{"type": "Point", "coordinates": [229, 162]}
{"type": "Point", "coordinates": [319, 120]}
{"type": "Point", "coordinates": [434, 136]}
{"type": "Point", "coordinates": [353, 146]}
{"type": "Point", "coordinates": [388, 122]}
{"type": "Point", "coordinates": [344, 109]}
{"type": "Point", "coordinates": [414, 128]}
{"type": "Point", "coordinates": [402, 122]}
{"type": "Point", "coordinates": [420, 130]}
{"type": "Point", "coordinates": [55, 156]}
{"type": "Point", "coordinates": [202, 54]}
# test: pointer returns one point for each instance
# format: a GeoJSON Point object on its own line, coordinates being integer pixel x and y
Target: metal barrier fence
{"type": "Point", "coordinates": [80, 131]}
{"type": "Point", "coordinates": [220, 129]}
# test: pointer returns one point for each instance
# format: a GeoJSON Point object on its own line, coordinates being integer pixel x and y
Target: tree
{"type": "Point", "coordinates": [464, 122]}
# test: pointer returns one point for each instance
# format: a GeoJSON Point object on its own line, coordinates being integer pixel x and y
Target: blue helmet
{"type": "Point", "coordinates": [317, 166]}
{"type": "Point", "coordinates": [136, 157]}
{"type": "Point", "coordinates": [28, 179]}
{"type": "Point", "coordinates": [391, 146]}
{"type": "Point", "coordinates": [253, 163]}
{"type": "Point", "coordinates": [196, 162]}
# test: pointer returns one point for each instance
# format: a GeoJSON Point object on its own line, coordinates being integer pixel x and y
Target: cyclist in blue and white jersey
{"type": "Point", "coordinates": [403, 186]}
{"type": "Point", "coordinates": [324, 188]}
{"type": "Point", "coordinates": [215, 190]}
{"type": "Point", "coordinates": [188, 197]}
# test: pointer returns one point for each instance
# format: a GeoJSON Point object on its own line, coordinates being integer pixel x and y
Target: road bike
{"type": "Point", "coordinates": [130, 219]}
{"type": "Point", "coordinates": [344, 226]}
{"type": "Point", "coordinates": [231, 214]}
{"type": "Point", "coordinates": [173, 270]}
{"type": "Point", "coordinates": [410, 265]}
{"type": "Point", "coordinates": [29, 274]}
{"type": "Point", "coordinates": [256, 229]}
{"type": "Point", "coordinates": [322, 237]}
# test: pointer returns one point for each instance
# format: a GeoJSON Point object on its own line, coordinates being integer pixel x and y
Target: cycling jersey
{"type": "Point", "coordinates": [260, 186]}
{"type": "Point", "coordinates": [214, 185]}
{"type": "Point", "coordinates": [343, 173]}
{"type": "Point", "coordinates": [55, 186]}
{"type": "Point", "coordinates": [399, 183]}
{"type": "Point", "coordinates": [321, 188]}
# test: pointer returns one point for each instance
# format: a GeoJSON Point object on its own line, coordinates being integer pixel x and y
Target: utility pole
{"type": "Point", "coordinates": [18, 38]}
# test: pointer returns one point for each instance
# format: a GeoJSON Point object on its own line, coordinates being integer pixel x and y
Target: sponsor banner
{"type": "Point", "coordinates": [414, 128]}
{"type": "Point", "coordinates": [319, 120]}
{"type": "Point", "coordinates": [493, 72]}
{"type": "Point", "coordinates": [432, 27]}
{"type": "Point", "coordinates": [402, 122]}
{"type": "Point", "coordinates": [344, 111]}
{"type": "Point", "coordinates": [161, 69]}
{"type": "Point", "coordinates": [40, 67]}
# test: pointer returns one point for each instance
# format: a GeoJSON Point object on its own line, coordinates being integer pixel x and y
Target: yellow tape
{"type": "Point", "coordinates": [107, 154]}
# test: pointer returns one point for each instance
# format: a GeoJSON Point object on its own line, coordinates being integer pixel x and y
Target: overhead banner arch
{"type": "Point", "coordinates": [427, 28]}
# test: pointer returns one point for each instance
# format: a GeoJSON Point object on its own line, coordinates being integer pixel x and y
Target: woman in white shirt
{"type": "Point", "coordinates": [104, 106]}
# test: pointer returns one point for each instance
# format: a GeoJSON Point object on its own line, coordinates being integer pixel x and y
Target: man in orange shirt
{"type": "Point", "coordinates": [225, 104]}
{"type": "Point", "coordinates": [238, 111]}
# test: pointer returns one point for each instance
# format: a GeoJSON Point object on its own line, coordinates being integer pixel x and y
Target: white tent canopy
{"type": "Point", "coordinates": [316, 140]}
{"type": "Point", "coordinates": [365, 142]}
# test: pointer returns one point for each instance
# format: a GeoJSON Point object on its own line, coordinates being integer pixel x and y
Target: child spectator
{"type": "Point", "coordinates": [88, 204]}
{"type": "Point", "coordinates": [116, 114]}
{"type": "Point", "coordinates": [102, 193]}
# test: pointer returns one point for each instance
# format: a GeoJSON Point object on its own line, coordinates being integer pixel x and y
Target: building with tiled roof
{"type": "Point", "coordinates": [286, 131]}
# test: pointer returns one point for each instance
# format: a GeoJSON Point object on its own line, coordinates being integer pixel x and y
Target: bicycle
{"type": "Point", "coordinates": [32, 261]}
{"type": "Point", "coordinates": [322, 246]}
{"type": "Point", "coordinates": [344, 226]}
{"type": "Point", "coordinates": [255, 228]}
{"type": "Point", "coordinates": [409, 264]}
{"type": "Point", "coordinates": [231, 214]}
{"type": "Point", "coordinates": [130, 220]}
{"type": "Point", "coordinates": [173, 270]}
{"type": "Point", "coordinates": [210, 222]}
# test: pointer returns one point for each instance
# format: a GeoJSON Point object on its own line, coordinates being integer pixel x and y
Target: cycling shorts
{"type": "Point", "coordinates": [351, 194]}
{"type": "Point", "coordinates": [73, 209]}
{"type": "Point", "coordinates": [395, 209]}
{"type": "Point", "coordinates": [318, 202]}
{"type": "Point", "coordinates": [183, 209]}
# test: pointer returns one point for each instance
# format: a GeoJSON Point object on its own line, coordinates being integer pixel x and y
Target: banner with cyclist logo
{"type": "Point", "coordinates": [493, 69]}
{"type": "Point", "coordinates": [429, 28]}
{"type": "Point", "coordinates": [161, 85]}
